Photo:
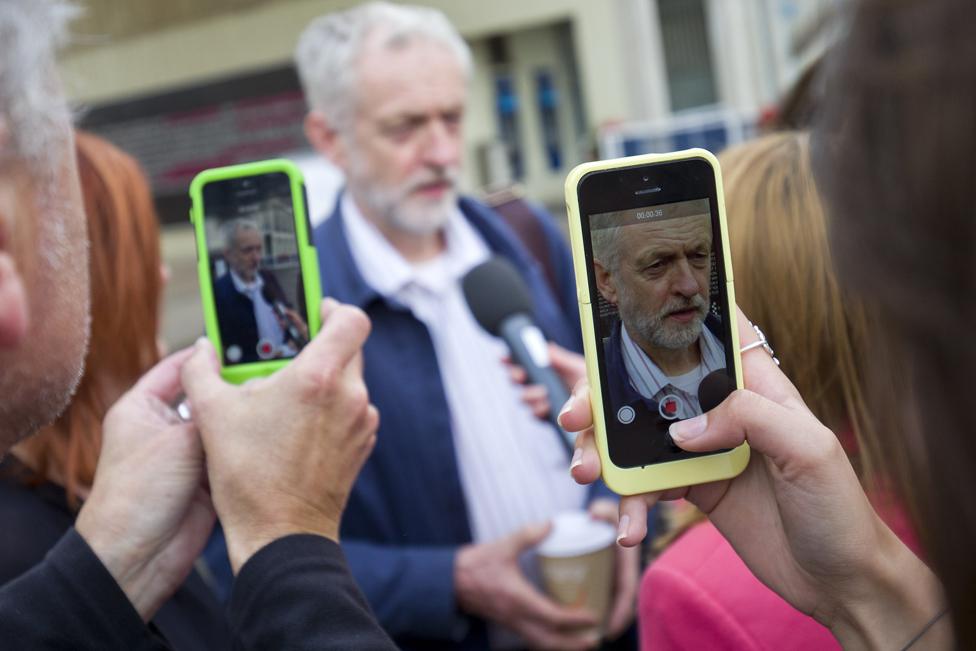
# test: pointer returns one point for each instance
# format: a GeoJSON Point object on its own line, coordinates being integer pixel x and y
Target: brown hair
{"type": "Point", "coordinates": [784, 281]}
{"type": "Point", "coordinates": [898, 165]}
{"type": "Point", "coordinates": [125, 296]}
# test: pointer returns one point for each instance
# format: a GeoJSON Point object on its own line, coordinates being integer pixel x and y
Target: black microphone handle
{"type": "Point", "coordinates": [524, 340]}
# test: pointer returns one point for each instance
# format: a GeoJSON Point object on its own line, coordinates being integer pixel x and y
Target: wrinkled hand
{"type": "Point", "coordinates": [283, 451]}
{"type": "Point", "coordinates": [570, 366]}
{"type": "Point", "coordinates": [797, 515]}
{"type": "Point", "coordinates": [148, 517]}
{"type": "Point", "coordinates": [627, 579]}
{"type": "Point", "coordinates": [489, 584]}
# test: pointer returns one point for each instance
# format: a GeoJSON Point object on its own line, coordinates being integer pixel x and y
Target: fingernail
{"type": "Point", "coordinates": [568, 407]}
{"type": "Point", "coordinates": [685, 430]}
{"type": "Point", "coordinates": [201, 343]}
{"type": "Point", "coordinates": [577, 459]}
{"type": "Point", "coordinates": [623, 527]}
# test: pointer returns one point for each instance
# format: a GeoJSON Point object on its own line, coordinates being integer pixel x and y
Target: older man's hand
{"type": "Point", "coordinates": [489, 584]}
{"type": "Point", "coordinates": [284, 451]}
{"type": "Point", "coordinates": [148, 516]}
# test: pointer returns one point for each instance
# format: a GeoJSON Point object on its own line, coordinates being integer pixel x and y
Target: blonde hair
{"type": "Point", "coordinates": [785, 282]}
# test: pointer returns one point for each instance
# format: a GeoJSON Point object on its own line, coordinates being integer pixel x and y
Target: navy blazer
{"type": "Point", "coordinates": [406, 516]}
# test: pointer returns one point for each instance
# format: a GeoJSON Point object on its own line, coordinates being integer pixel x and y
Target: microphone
{"type": "Point", "coordinates": [291, 331]}
{"type": "Point", "coordinates": [714, 388]}
{"type": "Point", "coordinates": [502, 305]}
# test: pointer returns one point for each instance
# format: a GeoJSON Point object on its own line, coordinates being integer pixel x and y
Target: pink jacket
{"type": "Point", "coordinates": [698, 594]}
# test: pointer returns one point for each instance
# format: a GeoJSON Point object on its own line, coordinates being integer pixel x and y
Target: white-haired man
{"type": "Point", "coordinates": [148, 515]}
{"type": "Point", "coordinates": [463, 473]}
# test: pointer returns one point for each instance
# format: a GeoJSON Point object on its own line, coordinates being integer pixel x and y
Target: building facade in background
{"type": "Point", "coordinates": [191, 84]}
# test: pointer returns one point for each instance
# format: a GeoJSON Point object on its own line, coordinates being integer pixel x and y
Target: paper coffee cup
{"type": "Point", "coordinates": [576, 561]}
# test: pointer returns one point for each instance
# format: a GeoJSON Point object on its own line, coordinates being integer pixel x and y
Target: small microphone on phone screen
{"type": "Point", "coordinates": [714, 388]}
{"type": "Point", "coordinates": [293, 333]}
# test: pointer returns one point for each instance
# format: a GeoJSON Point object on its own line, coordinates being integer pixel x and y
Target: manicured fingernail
{"type": "Point", "coordinates": [685, 430]}
{"type": "Point", "coordinates": [577, 459]}
{"type": "Point", "coordinates": [623, 527]}
{"type": "Point", "coordinates": [568, 407]}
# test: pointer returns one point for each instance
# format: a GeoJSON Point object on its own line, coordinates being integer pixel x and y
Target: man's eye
{"type": "Point", "coordinates": [452, 119]}
{"type": "Point", "coordinates": [655, 267]}
{"type": "Point", "coordinates": [399, 131]}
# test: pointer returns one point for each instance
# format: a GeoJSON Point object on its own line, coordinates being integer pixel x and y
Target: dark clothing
{"type": "Point", "coordinates": [235, 316]}
{"type": "Point", "coordinates": [192, 619]}
{"type": "Point", "coordinates": [70, 601]}
{"type": "Point", "coordinates": [295, 593]}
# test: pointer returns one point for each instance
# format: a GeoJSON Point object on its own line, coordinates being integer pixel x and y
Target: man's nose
{"type": "Point", "coordinates": [442, 146]}
{"type": "Point", "coordinates": [684, 282]}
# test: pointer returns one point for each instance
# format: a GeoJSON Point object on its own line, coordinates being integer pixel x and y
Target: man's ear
{"type": "Point", "coordinates": [324, 138]}
{"type": "Point", "coordinates": [604, 282]}
{"type": "Point", "coordinates": [14, 311]}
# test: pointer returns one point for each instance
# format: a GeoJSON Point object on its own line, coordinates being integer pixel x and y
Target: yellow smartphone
{"type": "Point", "coordinates": [657, 305]}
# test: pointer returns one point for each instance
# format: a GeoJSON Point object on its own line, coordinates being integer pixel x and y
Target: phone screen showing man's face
{"type": "Point", "coordinates": [255, 268]}
{"type": "Point", "coordinates": [664, 346]}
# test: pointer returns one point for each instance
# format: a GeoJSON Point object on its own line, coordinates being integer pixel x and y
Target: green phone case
{"type": "Point", "coordinates": [308, 258]}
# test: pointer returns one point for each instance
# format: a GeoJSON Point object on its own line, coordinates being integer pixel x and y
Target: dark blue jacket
{"type": "Point", "coordinates": [406, 516]}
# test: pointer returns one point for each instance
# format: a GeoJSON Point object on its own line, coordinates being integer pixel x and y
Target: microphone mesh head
{"type": "Point", "coordinates": [495, 291]}
{"type": "Point", "coordinates": [714, 388]}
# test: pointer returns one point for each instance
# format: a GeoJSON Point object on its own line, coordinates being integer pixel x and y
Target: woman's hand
{"type": "Point", "coordinates": [796, 515]}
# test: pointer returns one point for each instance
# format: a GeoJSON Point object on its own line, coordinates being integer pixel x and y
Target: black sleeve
{"type": "Point", "coordinates": [70, 601]}
{"type": "Point", "coordinates": [297, 593]}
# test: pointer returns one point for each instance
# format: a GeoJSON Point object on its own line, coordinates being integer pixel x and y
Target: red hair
{"type": "Point", "coordinates": [126, 287]}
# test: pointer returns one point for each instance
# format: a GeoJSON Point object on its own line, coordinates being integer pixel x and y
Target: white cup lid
{"type": "Point", "coordinates": [575, 533]}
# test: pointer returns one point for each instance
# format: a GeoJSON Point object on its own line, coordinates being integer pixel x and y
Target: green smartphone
{"type": "Point", "coordinates": [259, 277]}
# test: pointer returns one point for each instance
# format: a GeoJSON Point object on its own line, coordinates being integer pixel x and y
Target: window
{"type": "Point", "coordinates": [687, 53]}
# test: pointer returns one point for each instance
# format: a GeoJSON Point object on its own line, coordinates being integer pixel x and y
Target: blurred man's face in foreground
{"type": "Point", "coordinates": [661, 284]}
{"type": "Point", "coordinates": [43, 234]}
{"type": "Point", "coordinates": [404, 152]}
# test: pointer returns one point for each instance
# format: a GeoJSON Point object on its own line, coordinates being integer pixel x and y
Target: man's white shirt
{"type": "Point", "coordinates": [269, 329]}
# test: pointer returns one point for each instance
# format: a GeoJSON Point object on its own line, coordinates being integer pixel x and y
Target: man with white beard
{"type": "Point", "coordinates": [657, 273]}
{"type": "Point", "coordinates": [464, 476]}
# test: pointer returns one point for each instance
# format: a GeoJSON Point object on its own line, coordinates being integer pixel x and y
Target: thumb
{"type": "Point", "coordinates": [162, 381]}
{"type": "Point", "coordinates": [200, 374]}
{"type": "Point", "coordinates": [783, 434]}
{"type": "Point", "coordinates": [528, 536]}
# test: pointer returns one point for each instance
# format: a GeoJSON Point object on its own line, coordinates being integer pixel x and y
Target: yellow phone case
{"type": "Point", "coordinates": [671, 474]}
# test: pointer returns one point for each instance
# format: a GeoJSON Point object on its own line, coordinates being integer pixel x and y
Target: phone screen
{"type": "Point", "coordinates": [255, 268]}
{"type": "Point", "coordinates": [658, 295]}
